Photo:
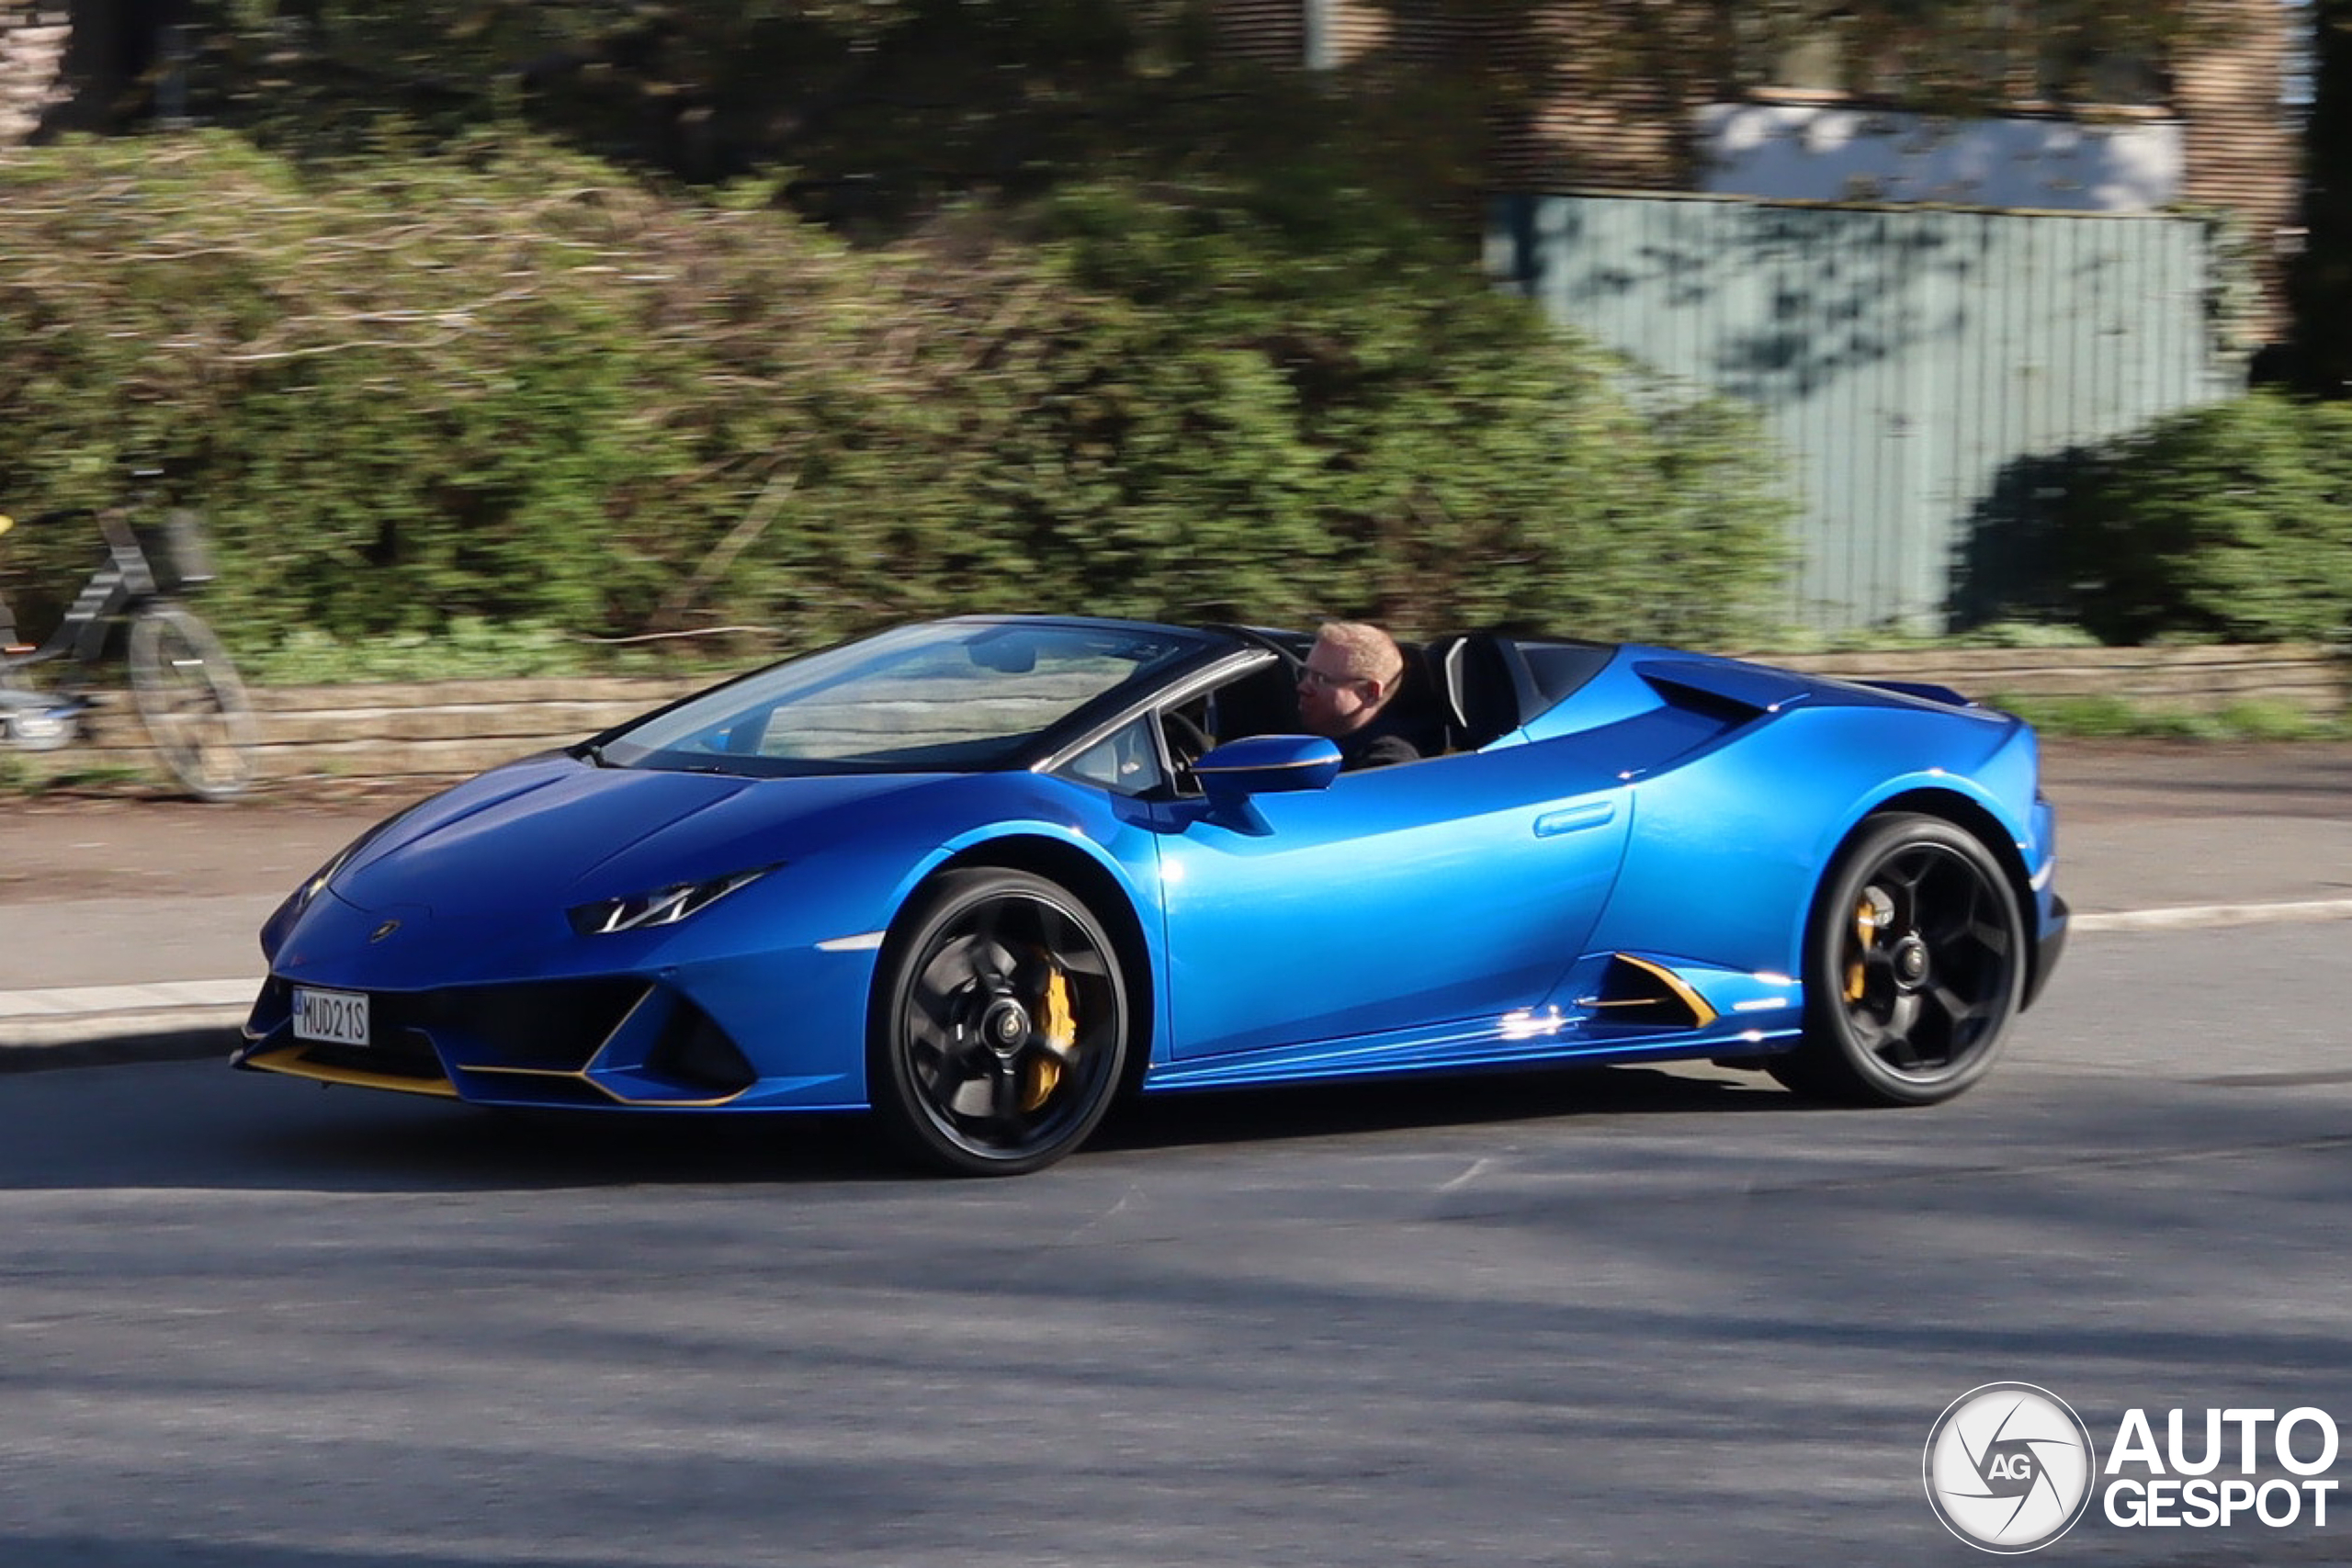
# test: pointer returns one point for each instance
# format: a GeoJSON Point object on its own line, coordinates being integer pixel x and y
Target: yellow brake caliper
{"type": "Point", "coordinates": [1870, 916]}
{"type": "Point", "coordinates": [1059, 1025]}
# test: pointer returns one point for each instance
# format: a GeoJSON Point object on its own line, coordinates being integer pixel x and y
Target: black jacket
{"type": "Point", "coordinates": [1376, 745]}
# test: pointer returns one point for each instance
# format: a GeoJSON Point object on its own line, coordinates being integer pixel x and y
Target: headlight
{"type": "Point", "coordinates": [317, 880]}
{"type": "Point", "coordinates": [662, 907]}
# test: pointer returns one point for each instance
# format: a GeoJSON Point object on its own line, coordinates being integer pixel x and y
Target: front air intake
{"type": "Point", "coordinates": [696, 1052]}
{"type": "Point", "coordinates": [547, 1026]}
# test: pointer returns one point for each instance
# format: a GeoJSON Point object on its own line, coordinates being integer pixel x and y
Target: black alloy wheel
{"type": "Point", "coordinates": [1914, 967]}
{"type": "Point", "coordinates": [1000, 1027]}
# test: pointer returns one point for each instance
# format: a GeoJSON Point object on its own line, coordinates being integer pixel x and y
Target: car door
{"type": "Point", "coordinates": [1449, 891]}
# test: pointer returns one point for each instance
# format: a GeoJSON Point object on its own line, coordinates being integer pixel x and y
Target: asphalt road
{"type": "Point", "coordinates": [1625, 1316]}
{"type": "Point", "coordinates": [1622, 1317]}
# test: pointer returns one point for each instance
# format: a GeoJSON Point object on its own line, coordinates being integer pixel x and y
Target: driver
{"type": "Point", "coordinates": [1344, 690]}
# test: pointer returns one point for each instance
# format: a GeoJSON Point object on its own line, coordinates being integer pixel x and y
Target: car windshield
{"type": "Point", "coordinates": [947, 697]}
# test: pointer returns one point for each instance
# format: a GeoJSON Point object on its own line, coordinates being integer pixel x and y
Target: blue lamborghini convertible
{"type": "Point", "coordinates": [980, 878]}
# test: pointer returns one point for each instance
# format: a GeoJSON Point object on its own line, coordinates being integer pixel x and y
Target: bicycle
{"type": "Point", "coordinates": [186, 692]}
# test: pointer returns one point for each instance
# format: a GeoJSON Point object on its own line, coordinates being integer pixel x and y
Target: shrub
{"type": "Point", "coordinates": [2232, 522]}
{"type": "Point", "coordinates": [508, 385]}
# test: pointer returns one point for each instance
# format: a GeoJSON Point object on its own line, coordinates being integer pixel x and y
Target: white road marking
{"type": "Point", "coordinates": [2201, 915]}
{"type": "Point", "coordinates": [1477, 1169]}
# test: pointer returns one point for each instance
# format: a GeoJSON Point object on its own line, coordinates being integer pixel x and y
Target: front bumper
{"type": "Point", "coordinates": [601, 1043]}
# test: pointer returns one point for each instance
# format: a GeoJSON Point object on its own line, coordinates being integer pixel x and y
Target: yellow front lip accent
{"type": "Point", "coordinates": [288, 1059]}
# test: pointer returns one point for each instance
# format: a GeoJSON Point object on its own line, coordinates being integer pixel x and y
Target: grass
{"type": "Point", "coordinates": [19, 776]}
{"type": "Point", "coordinates": [469, 648]}
{"type": "Point", "coordinates": [476, 650]}
{"type": "Point", "coordinates": [2116, 718]}
{"type": "Point", "coordinates": [1892, 638]}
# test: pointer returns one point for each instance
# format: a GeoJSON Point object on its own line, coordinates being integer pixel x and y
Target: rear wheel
{"type": "Point", "coordinates": [188, 695]}
{"type": "Point", "coordinates": [1914, 965]}
{"type": "Point", "coordinates": [1000, 1027]}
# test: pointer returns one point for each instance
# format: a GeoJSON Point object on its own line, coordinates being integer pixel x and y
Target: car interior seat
{"type": "Point", "coordinates": [1417, 710]}
{"type": "Point", "coordinates": [1480, 690]}
{"type": "Point", "coordinates": [1265, 702]}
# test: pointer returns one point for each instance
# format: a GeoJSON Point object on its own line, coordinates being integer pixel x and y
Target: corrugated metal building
{"type": "Point", "coordinates": [1611, 107]}
{"type": "Point", "coordinates": [1924, 364]}
{"type": "Point", "coordinates": [1923, 367]}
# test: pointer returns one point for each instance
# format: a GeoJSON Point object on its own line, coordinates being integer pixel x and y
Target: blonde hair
{"type": "Point", "coordinates": [1368, 652]}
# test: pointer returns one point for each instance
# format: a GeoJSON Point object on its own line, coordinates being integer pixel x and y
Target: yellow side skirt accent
{"type": "Point", "coordinates": [1701, 1014]}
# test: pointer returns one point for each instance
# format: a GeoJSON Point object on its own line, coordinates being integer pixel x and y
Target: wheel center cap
{"type": "Point", "coordinates": [1005, 1025]}
{"type": "Point", "coordinates": [1911, 963]}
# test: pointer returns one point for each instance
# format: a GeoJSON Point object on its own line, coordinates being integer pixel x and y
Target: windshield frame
{"type": "Point", "coordinates": [1188, 648]}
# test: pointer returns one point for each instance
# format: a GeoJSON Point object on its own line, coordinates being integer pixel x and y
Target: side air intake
{"type": "Point", "coordinates": [1637, 991]}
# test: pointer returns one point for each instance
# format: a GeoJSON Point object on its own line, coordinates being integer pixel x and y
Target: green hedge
{"type": "Point", "coordinates": [503, 383]}
{"type": "Point", "coordinates": [2226, 523]}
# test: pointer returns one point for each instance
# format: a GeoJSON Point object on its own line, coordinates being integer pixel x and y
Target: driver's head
{"type": "Point", "coordinates": [1352, 670]}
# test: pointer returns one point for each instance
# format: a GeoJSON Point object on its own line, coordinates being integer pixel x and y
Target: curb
{"type": "Point", "coordinates": [92, 1026]}
{"type": "Point", "coordinates": [117, 1039]}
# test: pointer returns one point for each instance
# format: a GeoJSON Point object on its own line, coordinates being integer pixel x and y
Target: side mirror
{"type": "Point", "coordinates": [1268, 764]}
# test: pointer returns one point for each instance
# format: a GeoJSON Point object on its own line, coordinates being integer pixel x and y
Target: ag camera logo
{"type": "Point", "coordinates": [2009, 1467]}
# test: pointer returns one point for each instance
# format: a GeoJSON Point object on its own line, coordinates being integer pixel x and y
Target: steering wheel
{"type": "Point", "coordinates": [1187, 741]}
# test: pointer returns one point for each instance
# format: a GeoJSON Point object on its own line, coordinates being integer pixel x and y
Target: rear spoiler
{"type": "Point", "coordinates": [1747, 690]}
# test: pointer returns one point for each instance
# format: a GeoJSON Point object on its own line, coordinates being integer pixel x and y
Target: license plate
{"type": "Point", "coordinates": [338, 1018]}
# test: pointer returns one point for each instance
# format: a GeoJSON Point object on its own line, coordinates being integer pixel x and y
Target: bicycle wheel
{"type": "Point", "coordinates": [188, 695]}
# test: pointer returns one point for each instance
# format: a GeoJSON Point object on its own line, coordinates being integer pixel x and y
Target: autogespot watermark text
{"type": "Point", "coordinates": [2175, 1486]}
{"type": "Point", "coordinates": [2010, 1467]}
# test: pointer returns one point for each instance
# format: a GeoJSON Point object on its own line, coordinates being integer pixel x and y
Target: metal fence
{"type": "Point", "coordinates": [1926, 369]}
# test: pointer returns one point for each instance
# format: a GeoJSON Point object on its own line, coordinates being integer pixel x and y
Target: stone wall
{"type": "Point", "coordinates": [2188, 680]}
{"type": "Point", "coordinates": [453, 727]}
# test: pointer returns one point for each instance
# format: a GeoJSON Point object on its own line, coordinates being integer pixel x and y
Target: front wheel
{"type": "Point", "coordinates": [188, 695]}
{"type": "Point", "coordinates": [1000, 1025]}
{"type": "Point", "coordinates": [1914, 965]}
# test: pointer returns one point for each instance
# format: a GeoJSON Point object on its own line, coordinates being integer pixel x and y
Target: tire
{"type": "Point", "coordinates": [193, 706]}
{"type": "Point", "coordinates": [1915, 967]}
{"type": "Point", "coordinates": [973, 1066]}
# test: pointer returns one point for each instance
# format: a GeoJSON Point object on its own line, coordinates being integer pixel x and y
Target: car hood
{"type": "Point", "coordinates": [558, 827]}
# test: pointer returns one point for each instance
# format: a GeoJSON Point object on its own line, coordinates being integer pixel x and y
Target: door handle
{"type": "Point", "coordinates": [1574, 819]}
